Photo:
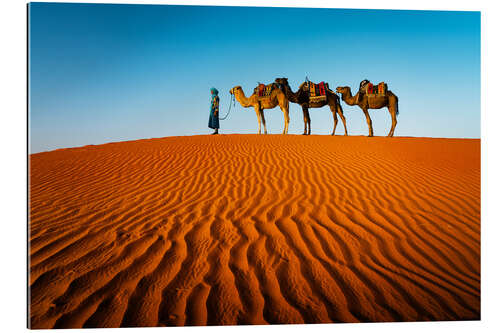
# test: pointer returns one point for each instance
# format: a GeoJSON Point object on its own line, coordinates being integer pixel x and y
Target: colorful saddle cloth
{"type": "Point", "coordinates": [379, 89]}
{"type": "Point", "coordinates": [317, 91]}
{"type": "Point", "coordinates": [265, 91]}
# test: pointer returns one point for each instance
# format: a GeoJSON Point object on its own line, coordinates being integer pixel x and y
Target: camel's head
{"type": "Point", "coordinates": [233, 90]}
{"type": "Point", "coordinates": [281, 80]}
{"type": "Point", "coordinates": [341, 90]}
{"type": "Point", "coordinates": [282, 83]}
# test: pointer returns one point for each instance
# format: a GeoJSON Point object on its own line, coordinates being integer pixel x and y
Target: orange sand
{"type": "Point", "coordinates": [248, 229]}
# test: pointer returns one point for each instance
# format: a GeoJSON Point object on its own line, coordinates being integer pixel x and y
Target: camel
{"type": "Point", "coordinates": [301, 97]}
{"type": "Point", "coordinates": [365, 102]}
{"type": "Point", "coordinates": [276, 98]}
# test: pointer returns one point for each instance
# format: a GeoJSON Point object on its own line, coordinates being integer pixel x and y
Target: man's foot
{"type": "Point", "coordinates": [216, 132]}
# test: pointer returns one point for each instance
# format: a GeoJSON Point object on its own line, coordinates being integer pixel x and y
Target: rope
{"type": "Point", "coordinates": [227, 114]}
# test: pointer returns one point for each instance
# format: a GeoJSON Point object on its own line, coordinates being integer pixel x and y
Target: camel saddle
{"type": "Point", "coordinates": [264, 91]}
{"type": "Point", "coordinates": [317, 91]}
{"type": "Point", "coordinates": [375, 90]}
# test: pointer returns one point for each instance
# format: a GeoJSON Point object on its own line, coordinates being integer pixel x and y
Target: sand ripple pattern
{"type": "Point", "coordinates": [248, 229]}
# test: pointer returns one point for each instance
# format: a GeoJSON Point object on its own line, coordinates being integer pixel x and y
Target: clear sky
{"type": "Point", "coordinates": [104, 73]}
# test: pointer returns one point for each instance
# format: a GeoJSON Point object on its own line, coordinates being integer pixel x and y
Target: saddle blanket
{"type": "Point", "coordinates": [317, 89]}
{"type": "Point", "coordinates": [316, 99]}
{"type": "Point", "coordinates": [265, 91]}
{"type": "Point", "coordinates": [379, 89]}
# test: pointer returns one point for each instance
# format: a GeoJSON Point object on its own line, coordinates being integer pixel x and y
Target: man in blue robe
{"type": "Point", "coordinates": [213, 121]}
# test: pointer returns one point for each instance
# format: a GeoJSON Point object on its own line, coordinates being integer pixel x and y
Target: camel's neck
{"type": "Point", "coordinates": [290, 95]}
{"type": "Point", "coordinates": [241, 98]}
{"type": "Point", "coordinates": [348, 98]}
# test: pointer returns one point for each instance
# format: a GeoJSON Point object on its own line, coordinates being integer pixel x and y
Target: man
{"type": "Point", "coordinates": [213, 121]}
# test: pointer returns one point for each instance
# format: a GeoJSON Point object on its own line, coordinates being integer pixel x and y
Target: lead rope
{"type": "Point", "coordinates": [229, 110]}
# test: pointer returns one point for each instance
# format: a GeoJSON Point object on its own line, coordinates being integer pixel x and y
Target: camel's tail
{"type": "Point", "coordinates": [397, 105]}
{"type": "Point", "coordinates": [397, 101]}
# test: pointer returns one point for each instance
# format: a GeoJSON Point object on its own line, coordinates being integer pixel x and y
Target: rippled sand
{"type": "Point", "coordinates": [249, 229]}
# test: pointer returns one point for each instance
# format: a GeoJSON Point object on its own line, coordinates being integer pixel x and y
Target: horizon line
{"type": "Point", "coordinates": [269, 134]}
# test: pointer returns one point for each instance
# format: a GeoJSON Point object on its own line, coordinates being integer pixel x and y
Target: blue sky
{"type": "Point", "coordinates": [105, 73]}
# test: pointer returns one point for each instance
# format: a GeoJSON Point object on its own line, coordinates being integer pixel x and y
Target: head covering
{"type": "Point", "coordinates": [214, 91]}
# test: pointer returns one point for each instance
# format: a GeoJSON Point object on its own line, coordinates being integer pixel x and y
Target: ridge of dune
{"type": "Point", "coordinates": [254, 229]}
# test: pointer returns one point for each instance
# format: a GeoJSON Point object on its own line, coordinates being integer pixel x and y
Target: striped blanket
{"type": "Point", "coordinates": [317, 91]}
{"type": "Point", "coordinates": [265, 91]}
{"type": "Point", "coordinates": [379, 89]}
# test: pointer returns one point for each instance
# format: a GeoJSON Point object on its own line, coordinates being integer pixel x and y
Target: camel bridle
{"type": "Point", "coordinates": [232, 99]}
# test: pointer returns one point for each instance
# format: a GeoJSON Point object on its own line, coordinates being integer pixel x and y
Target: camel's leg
{"type": "Point", "coordinates": [335, 119]}
{"type": "Point", "coordinates": [263, 120]}
{"type": "Point", "coordinates": [287, 119]}
{"type": "Point", "coordinates": [284, 106]}
{"type": "Point", "coordinates": [257, 111]}
{"type": "Point", "coordinates": [305, 112]}
{"type": "Point", "coordinates": [392, 111]}
{"type": "Point", "coordinates": [341, 114]}
{"type": "Point", "coordinates": [308, 123]}
{"type": "Point", "coordinates": [369, 122]}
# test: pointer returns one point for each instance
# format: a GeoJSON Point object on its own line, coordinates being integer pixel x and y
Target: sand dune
{"type": "Point", "coordinates": [248, 229]}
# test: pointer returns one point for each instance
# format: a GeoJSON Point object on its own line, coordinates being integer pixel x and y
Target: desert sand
{"type": "Point", "coordinates": [249, 229]}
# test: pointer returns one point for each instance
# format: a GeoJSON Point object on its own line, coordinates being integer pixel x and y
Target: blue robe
{"type": "Point", "coordinates": [213, 121]}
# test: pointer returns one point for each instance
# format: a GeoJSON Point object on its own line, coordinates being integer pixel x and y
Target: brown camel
{"type": "Point", "coordinates": [276, 98]}
{"type": "Point", "coordinates": [301, 97]}
{"type": "Point", "coordinates": [365, 102]}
